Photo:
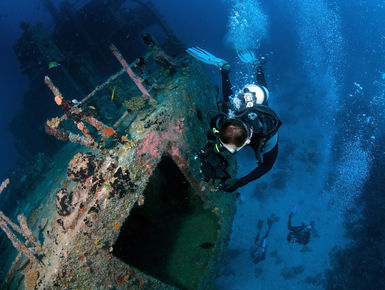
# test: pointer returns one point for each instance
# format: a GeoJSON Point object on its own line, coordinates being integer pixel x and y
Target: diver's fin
{"type": "Point", "coordinates": [247, 56]}
{"type": "Point", "coordinates": [206, 57]}
{"type": "Point", "coordinates": [294, 209]}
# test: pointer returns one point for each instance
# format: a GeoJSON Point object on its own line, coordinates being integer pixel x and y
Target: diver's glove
{"type": "Point", "coordinates": [228, 187]}
{"type": "Point", "coordinates": [213, 165]}
{"type": "Point", "coordinates": [202, 154]}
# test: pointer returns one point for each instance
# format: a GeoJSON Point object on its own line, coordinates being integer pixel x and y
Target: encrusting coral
{"type": "Point", "coordinates": [54, 123]}
{"type": "Point", "coordinates": [135, 103]}
{"type": "Point", "coordinates": [31, 277]}
{"type": "Point", "coordinates": [82, 166]}
{"type": "Point", "coordinates": [63, 202]}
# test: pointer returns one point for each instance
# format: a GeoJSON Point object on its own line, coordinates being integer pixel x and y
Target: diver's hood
{"type": "Point", "coordinates": [249, 131]}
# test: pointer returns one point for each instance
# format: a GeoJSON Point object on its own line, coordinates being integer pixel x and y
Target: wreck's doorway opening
{"type": "Point", "coordinates": [171, 237]}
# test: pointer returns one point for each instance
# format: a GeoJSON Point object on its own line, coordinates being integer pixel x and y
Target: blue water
{"type": "Point", "coordinates": [325, 70]}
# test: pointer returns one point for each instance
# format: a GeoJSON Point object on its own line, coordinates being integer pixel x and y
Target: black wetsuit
{"type": "Point", "coordinates": [269, 158]}
{"type": "Point", "coordinates": [298, 234]}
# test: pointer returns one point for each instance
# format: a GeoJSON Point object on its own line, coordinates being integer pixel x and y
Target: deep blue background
{"type": "Point", "coordinates": [305, 51]}
{"type": "Point", "coordinates": [12, 83]}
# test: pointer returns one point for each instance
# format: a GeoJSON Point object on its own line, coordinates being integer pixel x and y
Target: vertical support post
{"type": "Point", "coordinates": [137, 79]}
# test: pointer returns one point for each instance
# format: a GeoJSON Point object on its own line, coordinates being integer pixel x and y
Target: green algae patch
{"type": "Point", "coordinates": [171, 236]}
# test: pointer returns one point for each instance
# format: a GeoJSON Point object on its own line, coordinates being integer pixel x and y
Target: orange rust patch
{"type": "Point", "coordinates": [121, 279]}
{"type": "Point", "coordinates": [109, 132]}
{"type": "Point", "coordinates": [116, 226]}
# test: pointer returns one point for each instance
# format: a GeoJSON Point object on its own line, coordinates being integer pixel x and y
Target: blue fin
{"type": "Point", "coordinates": [206, 57]}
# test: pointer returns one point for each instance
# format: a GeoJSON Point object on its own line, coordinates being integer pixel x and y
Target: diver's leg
{"type": "Point", "coordinates": [226, 85]}
{"type": "Point", "coordinates": [269, 224]}
{"type": "Point", "coordinates": [267, 233]}
{"type": "Point", "coordinates": [260, 76]}
{"type": "Point", "coordinates": [256, 240]}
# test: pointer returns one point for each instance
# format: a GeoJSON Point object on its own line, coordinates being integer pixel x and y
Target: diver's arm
{"type": "Point", "coordinates": [268, 162]}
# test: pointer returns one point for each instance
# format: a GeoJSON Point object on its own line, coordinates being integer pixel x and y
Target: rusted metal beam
{"type": "Point", "coordinates": [137, 79]}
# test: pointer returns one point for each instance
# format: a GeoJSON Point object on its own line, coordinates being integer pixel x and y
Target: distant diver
{"type": "Point", "coordinates": [242, 119]}
{"type": "Point", "coordinates": [298, 234]}
{"type": "Point", "coordinates": [258, 253]}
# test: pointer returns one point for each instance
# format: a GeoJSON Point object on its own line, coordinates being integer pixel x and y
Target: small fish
{"type": "Point", "coordinates": [113, 94]}
{"type": "Point", "coordinates": [92, 107]}
{"type": "Point", "coordinates": [206, 245]}
{"type": "Point", "coordinates": [53, 64]}
{"type": "Point", "coordinates": [75, 102]}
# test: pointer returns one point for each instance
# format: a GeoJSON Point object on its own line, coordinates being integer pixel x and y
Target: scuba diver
{"type": "Point", "coordinates": [298, 234]}
{"type": "Point", "coordinates": [258, 253]}
{"type": "Point", "coordinates": [243, 119]}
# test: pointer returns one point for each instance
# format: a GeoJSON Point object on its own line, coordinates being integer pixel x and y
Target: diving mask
{"type": "Point", "coordinates": [233, 149]}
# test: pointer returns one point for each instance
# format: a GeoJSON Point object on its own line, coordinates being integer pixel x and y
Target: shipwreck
{"type": "Point", "coordinates": [132, 211]}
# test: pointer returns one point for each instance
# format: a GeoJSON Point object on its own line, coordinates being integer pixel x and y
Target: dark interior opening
{"type": "Point", "coordinates": [167, 237]}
